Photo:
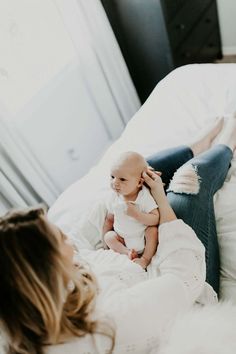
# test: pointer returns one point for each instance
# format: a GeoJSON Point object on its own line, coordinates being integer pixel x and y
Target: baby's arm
{"type": "Point", "coordinates": [148, 219]}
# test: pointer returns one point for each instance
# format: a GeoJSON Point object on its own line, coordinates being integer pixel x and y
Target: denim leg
{"type": "Point", "coordinates": [197, 210]}
{"type": "Point", "coordinates": [169, 160]}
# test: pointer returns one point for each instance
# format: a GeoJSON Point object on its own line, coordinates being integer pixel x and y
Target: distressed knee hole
{"type": "Point", "coordinates": [185, 180]}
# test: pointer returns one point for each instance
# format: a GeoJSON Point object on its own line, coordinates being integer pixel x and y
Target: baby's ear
{"type": "Point", "coordinates": [141, 181]}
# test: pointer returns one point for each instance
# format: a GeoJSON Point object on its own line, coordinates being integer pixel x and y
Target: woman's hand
{"type": "Point", "coordinates": [153, 179]}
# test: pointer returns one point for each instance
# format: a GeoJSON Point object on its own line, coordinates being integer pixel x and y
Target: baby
{"type": "Point", "coordinates": [130, 226]}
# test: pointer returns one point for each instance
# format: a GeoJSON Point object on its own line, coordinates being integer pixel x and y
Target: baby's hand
{"type": "Point", "coordinates": [132, 209]}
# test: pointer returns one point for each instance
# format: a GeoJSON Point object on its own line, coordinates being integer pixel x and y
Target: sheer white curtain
{"type": "Point", "coordinates": [22, 181]}
{"type": "Point", "coordinates": [104, 69]}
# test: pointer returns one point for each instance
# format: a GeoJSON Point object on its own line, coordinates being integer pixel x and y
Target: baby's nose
{"type": "Point", "coordinates": [116, 182]}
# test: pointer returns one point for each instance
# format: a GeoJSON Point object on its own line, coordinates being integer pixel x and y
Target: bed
{"type": "Point", "coordinates": [180, 105]}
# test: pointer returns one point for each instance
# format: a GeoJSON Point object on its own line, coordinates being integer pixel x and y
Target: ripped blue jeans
{"type": "Point", "coordinates": [191, 183]}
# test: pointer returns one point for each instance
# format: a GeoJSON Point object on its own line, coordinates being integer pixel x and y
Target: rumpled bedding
{"type": "Point", "coordinates": [181, 105]}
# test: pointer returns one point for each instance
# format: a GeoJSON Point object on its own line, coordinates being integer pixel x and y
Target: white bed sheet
{"type": "Point", "coordinates": [181, 104]}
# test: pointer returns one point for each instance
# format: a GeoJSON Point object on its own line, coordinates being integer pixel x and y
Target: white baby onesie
{"type": "Point", "coordinates": [126, 226]}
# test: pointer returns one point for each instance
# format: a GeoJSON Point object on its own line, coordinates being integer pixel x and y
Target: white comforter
{"type": "Point", "coordinates": [181, 104]}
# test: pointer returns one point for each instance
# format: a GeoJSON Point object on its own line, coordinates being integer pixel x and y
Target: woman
{"type": "Point", "coordinates": [45, 299]}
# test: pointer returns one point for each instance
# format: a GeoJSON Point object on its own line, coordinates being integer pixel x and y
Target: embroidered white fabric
{"type": "Point", "coordinates": [144, 304]}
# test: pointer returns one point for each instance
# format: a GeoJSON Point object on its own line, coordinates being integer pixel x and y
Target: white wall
{"type": "Point", "coordinates": [227, 18]}
{"type": "Point", "coordinates": [62, 128]}
{"type": "Point", "coordinates": [46, 94]}
{"type": "Point", "coordinates": [43, 92]}
{"type": "Point", "coordinates": [34, 47]}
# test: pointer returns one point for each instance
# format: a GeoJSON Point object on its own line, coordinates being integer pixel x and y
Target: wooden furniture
{"type": "Point", "coordinates": [156, 36]}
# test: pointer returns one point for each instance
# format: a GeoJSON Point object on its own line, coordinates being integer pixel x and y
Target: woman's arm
{"type": "Point", "coordinates": [154, 181]}
{"type": "Point", "coordinates": [148, 308]}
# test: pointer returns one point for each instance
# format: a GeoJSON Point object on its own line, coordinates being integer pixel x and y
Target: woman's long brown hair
{"type": "Point", "coordinates": [35, 307]}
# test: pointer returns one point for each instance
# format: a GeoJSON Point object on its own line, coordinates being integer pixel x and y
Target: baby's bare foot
{"type": "Point", "coordinates": [143, 262]}
{"type": "Point", "coordinates": [205, 139]}
{"type": "Point", "coordinates": [132, 254]}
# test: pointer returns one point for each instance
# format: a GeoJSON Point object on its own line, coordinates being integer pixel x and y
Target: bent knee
{"type": "Point", "coordinates": [185, 180]}
{"type": "Point", "coordinates": [110, 235]}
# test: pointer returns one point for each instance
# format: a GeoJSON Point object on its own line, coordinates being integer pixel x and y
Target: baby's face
{"type": "Point", "coordinates": [124, 181]}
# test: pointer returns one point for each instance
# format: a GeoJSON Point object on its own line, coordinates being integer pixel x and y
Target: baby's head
{"type": "Point", "coordinates": [126, 173]}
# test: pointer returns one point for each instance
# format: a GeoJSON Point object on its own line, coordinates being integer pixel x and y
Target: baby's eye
{"type": "Point", "coordinates": [122, 179]}
{"type": "Point", "coordinates": [112, 177]}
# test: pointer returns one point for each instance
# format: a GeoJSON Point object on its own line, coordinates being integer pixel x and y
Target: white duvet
{"type": "Point", "coordinates": [181, 104]}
